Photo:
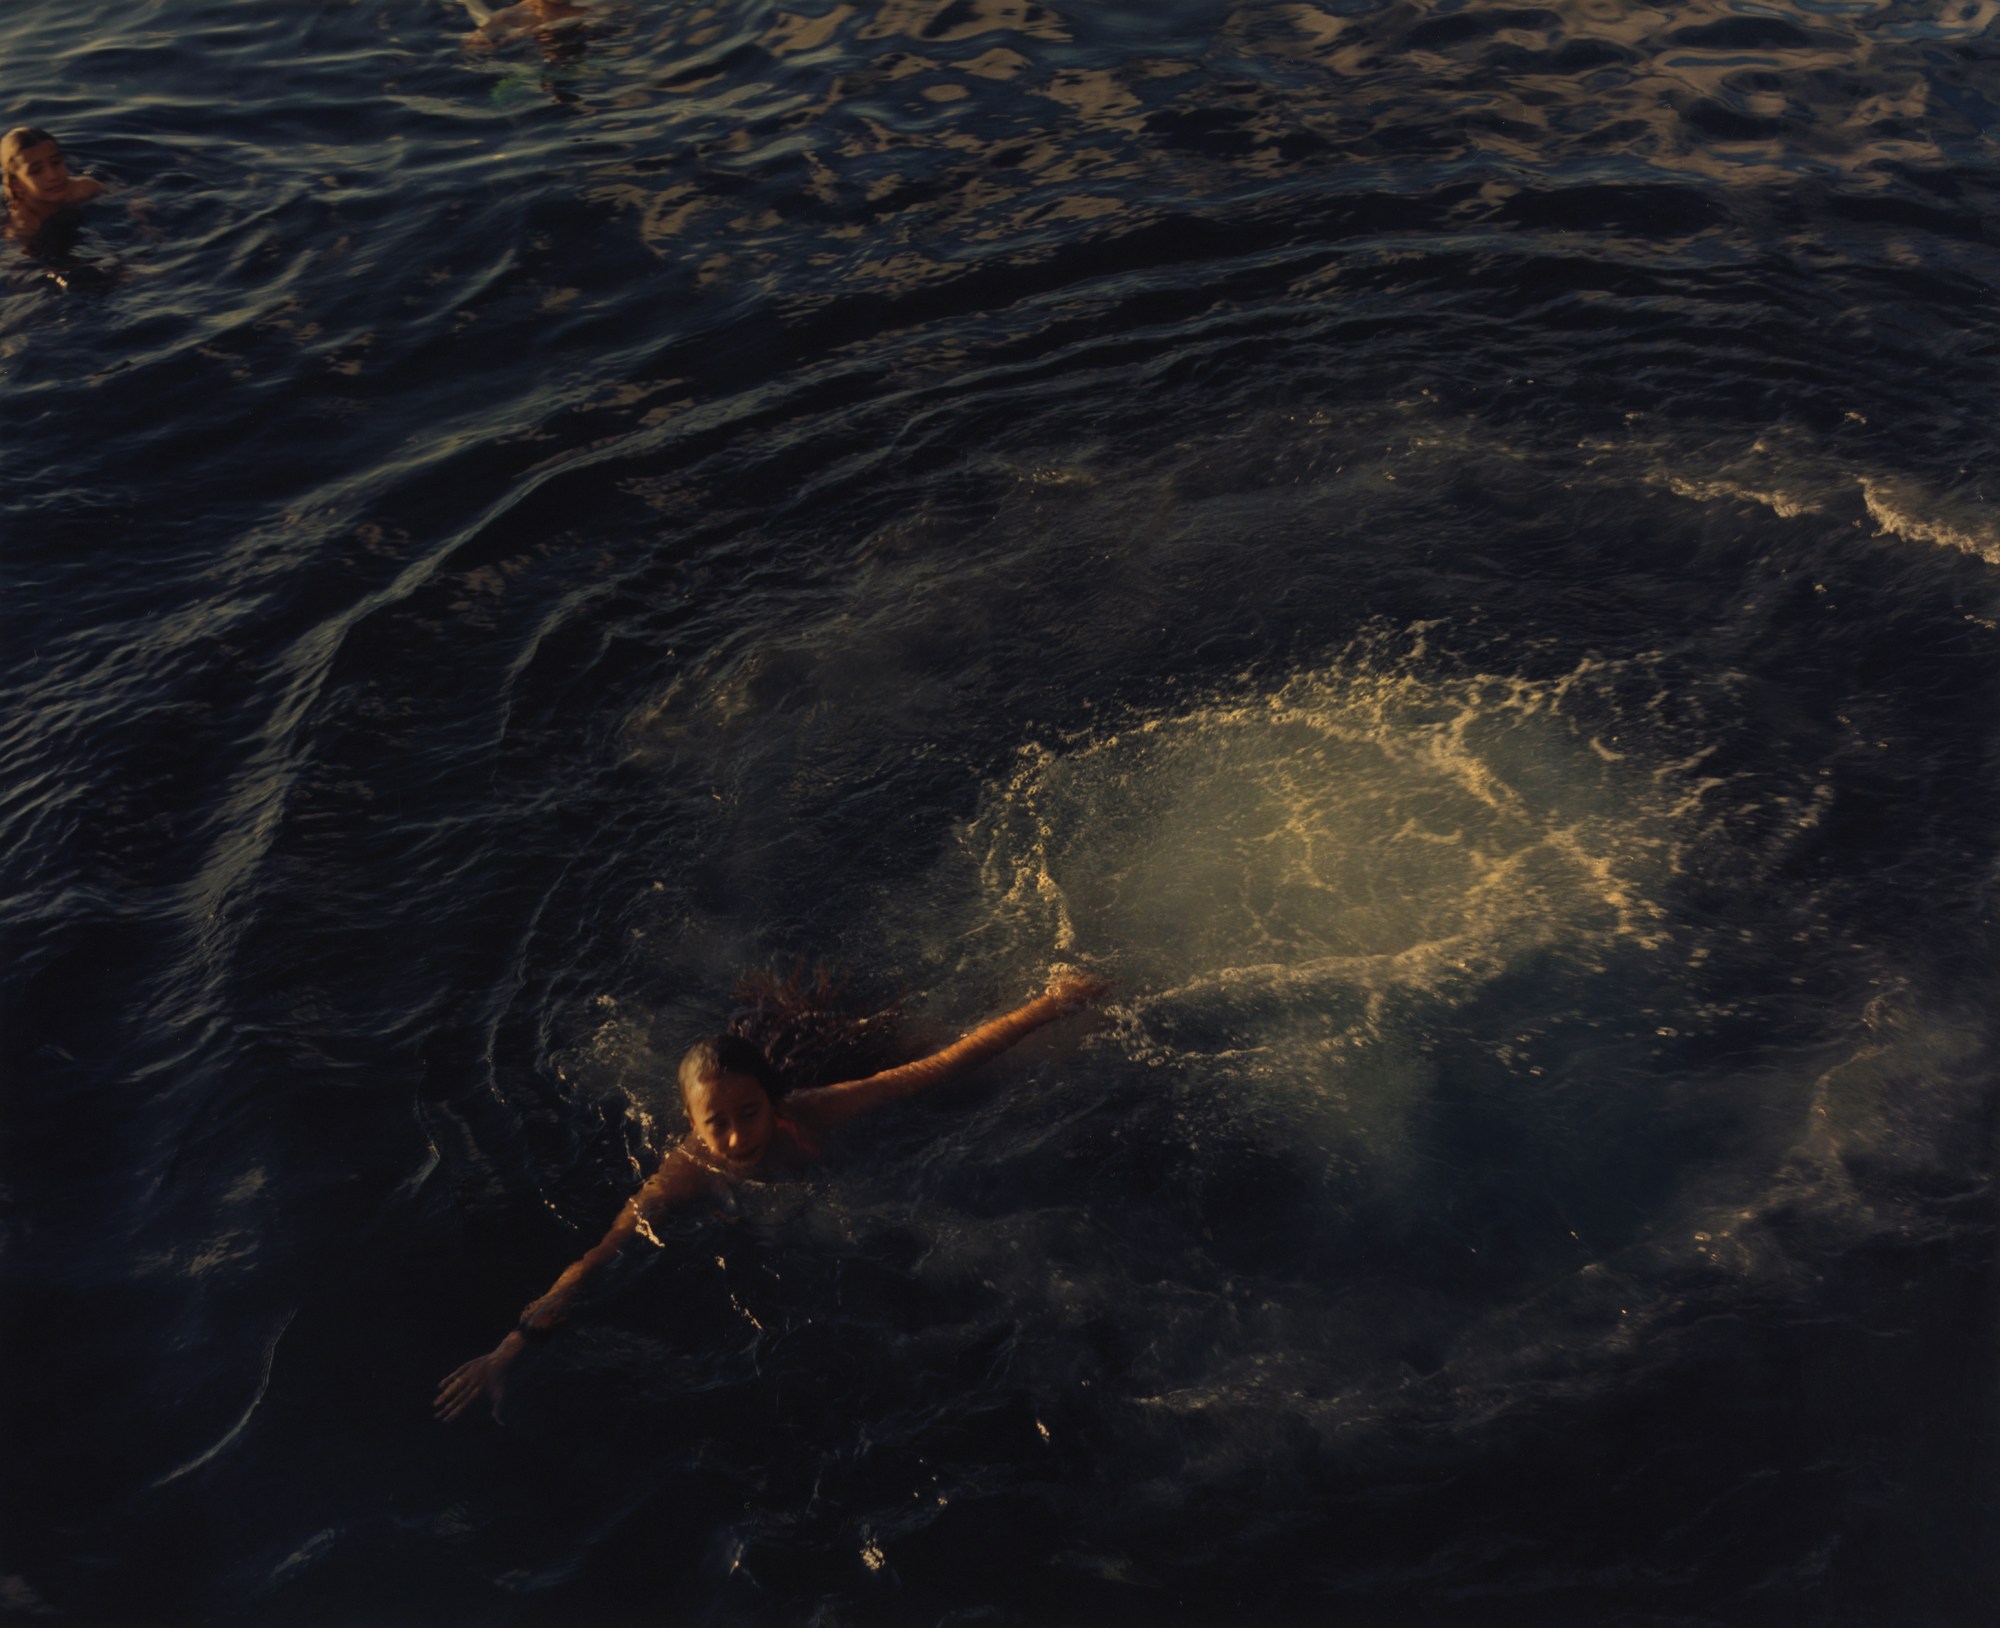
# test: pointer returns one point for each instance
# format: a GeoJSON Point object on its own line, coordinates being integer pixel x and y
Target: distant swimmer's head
{"type": "Point", "coordinates": [37, 173]}
{"type": "Point", "coordinates": [731, 1092]}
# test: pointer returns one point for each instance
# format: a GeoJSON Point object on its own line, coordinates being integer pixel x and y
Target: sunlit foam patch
{"type": "Point", "coordinates": [1288, 879]}
{"type": "Point", "coordinates": [1792, 474]}
{"type": "Point", "coordinates": [1301, 885]}
{"type": "Point", "coordinates": [1902, 509]}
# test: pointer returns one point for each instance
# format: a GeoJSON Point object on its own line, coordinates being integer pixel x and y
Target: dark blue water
{"type": "Point", "coordinates": [1450, 548]}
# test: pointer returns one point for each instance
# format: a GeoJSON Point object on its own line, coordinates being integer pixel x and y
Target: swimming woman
{"type": "Point", "coordinates": [39, 183]}
{"type": "Point", "coordinates": [744, 1127]}
{"type": "Point", "coordinates": [511, 23]}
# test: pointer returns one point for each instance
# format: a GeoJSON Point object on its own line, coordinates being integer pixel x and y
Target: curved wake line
{"type": "Point", "coordinates": [229, 1437]}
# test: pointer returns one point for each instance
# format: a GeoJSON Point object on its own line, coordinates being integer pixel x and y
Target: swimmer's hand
{"type": "Point", "coordinates": [483, 1376]}
{"type": "Point", "coordinates": [1072, 991]}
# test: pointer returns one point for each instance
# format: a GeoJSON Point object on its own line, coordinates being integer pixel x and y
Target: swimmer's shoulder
{"type": "Point", "coordinates": [685, 1173]}
{"type": "Point", "coordinates": [803, 1128]}
{"type": "Point", "coordinates": [29, 224]}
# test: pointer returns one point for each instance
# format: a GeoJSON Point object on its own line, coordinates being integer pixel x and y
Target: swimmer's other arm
{"type": "Point", "coordinates": [830, 1104]}
{"type": "Point", "coordinates": [677, 1181]}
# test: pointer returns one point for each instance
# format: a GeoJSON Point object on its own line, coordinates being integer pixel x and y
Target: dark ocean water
{"type": "Point", "coordinates": [1450, 548]}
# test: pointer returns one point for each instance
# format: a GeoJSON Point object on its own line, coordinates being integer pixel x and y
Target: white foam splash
{"type": "Point", "coordinates": [1286, 879]}
{"type": "Point", "coordinates": [1785, 504]}
{"type": "Point", "coordinates": [1894, 507]}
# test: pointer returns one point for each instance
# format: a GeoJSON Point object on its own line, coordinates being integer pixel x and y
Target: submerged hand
{"type": "Point", "coordinates": [483, 1376]}
{"type": "Point", "coordinates": [1075, 990]}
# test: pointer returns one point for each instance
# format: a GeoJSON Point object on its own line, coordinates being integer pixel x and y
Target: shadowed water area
{"type": "Point", "coordinates": [1450, 549]}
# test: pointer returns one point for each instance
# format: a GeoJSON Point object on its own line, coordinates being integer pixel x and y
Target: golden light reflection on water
{"type": "Point", "coordinates": [960, 20]}
{"type": "Point", "coordinates": [986, 101]}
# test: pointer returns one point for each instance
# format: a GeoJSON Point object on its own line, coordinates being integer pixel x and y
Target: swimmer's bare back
{"type": "Point", "coordinates": [737, 1132]}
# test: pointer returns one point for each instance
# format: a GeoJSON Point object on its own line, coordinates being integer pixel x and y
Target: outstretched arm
{"type": "Point", "coordinates": [830, 1104]}
{"type": "Point", "coordinates": [677, 1180]}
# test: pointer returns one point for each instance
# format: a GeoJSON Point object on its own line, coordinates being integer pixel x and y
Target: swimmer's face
{"type": "Point", "coordinates": [733, 1117]}
{"type": "Point", "coordinates": [40, 172]}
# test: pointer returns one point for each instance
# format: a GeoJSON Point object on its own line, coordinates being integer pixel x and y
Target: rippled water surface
{"type": "Point", "coordinates": [1449, 548]}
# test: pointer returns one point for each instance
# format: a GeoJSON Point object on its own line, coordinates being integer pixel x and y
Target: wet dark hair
{"type": "Point", "coordinates": [814, 1030]}
{"type": "Point", "coordinates": [20, 139]}
{"type": "Point", "coordinates": [795, 1031]}
{"type": "Point", "coordinates": [728, 1054]}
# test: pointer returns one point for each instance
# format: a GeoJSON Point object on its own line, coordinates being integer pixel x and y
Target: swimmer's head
{"type": "Point", "coordinates": [20, 138]}
{"type": "Point", "coordinates": [730, 1091]}
{"type": "Point", "coordinates": [33, 163]}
